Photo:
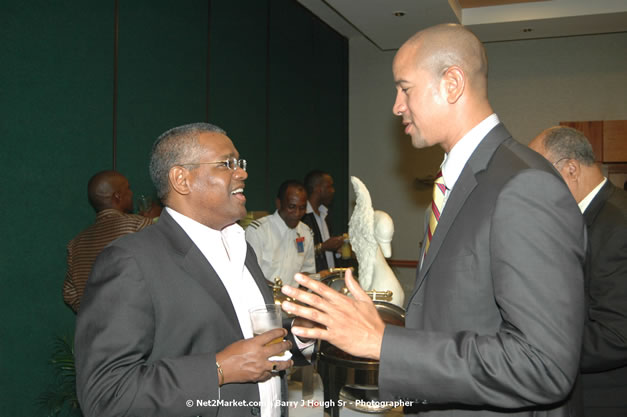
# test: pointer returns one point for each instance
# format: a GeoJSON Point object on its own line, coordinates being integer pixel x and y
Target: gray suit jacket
{"type": "Point", "coordinates": [604, 354]}
{"type": "Point", "coordinates": [152, 318]}
{"type": "Point", "coordinates": [494, 324]}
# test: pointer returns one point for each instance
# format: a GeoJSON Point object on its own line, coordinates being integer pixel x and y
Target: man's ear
{"type": "Point", "coordinates": [573, 169]}
{"type": "Point", "coordinates": [178, 177]}
{"type": "Point", "coordinates": [454, 82]}
{"type": "Point", "coordinates": [277, 203]}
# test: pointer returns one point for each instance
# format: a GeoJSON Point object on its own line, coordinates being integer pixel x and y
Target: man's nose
{"type": "Point", "coordinates": [240, 174]}
{"type": "Point", "coordinates": [399, 106]}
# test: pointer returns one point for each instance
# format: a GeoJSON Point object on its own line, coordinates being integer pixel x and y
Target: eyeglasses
{"type": "Point", "coordinates": [231, 163]}
{"type": "Point", "coordinates": [558, 161]}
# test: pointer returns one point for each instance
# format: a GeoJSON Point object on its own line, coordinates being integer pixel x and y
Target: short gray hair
{"type": "Point", "coordinates": [563, 142]}
{"type": "Point", "coordinates": [176, 146]}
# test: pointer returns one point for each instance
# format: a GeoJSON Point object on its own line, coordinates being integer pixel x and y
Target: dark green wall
{"type": "Point", "coordinates": [267, 71]}
{"type": "Point", "coordinates": [278, 85]}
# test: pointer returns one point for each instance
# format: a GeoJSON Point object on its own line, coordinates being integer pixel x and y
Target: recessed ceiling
{"type": "Point", "coordinates": [491, 20]}
{"type": "Point", "coordinates": [467, 4]}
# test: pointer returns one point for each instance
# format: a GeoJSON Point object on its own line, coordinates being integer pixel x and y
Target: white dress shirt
{"type": "Point", "coordinates": [583, 204]}
{"type": "Point", "coordinates": [278, 252]}
{"type": "Point", "coordinates": [226, 252]}
{"type": "Point", "coordinates": [455, 161]}
{"type": "Point", "coordinates": [324, 229]}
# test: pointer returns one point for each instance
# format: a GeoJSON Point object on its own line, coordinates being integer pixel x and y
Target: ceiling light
{"type": "Point", "coordinates": [399, 14]}
{"type": "Point", "coordinates": [527, 30]}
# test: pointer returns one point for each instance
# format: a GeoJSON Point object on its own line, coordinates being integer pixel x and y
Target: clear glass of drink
{"type": "Point", "coordinates": [265, 318]}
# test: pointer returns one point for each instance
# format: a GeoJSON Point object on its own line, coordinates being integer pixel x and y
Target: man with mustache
{"type": "Point", "coordinates": [164, 327]}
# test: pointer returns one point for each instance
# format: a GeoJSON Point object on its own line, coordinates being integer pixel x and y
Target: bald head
{"type": "Point", "coordinates": [443, 46]}
{"type": "Point", "coordinates": [441, 83]}
{"type": "Point", "coordinates": [561, 143]}
{"type": "Point", "coordinates": [110, 189]}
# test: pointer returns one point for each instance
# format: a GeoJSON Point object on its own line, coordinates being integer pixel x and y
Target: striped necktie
{"type": "Point", "coordinates": [439, 189]}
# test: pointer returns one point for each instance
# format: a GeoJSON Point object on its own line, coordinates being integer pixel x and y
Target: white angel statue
{"type": "Point", "coordinates": [371, 234]}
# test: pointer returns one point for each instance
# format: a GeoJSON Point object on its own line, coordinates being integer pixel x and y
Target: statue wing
{"type": "Point", "coordinates": [361, 232]}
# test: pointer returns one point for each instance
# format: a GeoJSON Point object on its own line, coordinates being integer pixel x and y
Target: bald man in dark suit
{"type": "Point", "coordinates": [494, 324]}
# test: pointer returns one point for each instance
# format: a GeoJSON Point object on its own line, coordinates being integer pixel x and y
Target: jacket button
{"type": "Point", "coordinates": [255, 411]}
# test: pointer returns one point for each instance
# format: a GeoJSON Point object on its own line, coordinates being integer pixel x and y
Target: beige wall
{"type": "Point", "coordinates": [532, 85]}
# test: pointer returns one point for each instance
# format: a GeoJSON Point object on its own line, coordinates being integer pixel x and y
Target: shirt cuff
{"type": "Point", "coordinates": [306, 348]}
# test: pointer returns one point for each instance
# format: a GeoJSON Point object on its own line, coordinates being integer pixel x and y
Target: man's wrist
{"type": "Point", "coordinates": [220, 374]}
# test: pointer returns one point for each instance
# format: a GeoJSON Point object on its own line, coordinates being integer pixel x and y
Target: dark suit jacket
{"type": "Point", "coordinates": [321, 258]}
{"type": "Point", "coordinates": [604, 354]}
{"type": "Point", "coordinates": [153, 316]}
{"type": "Point", "coordinates": [495, 321]}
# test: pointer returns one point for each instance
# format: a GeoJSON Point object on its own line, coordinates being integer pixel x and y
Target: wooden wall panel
{"type": "Point", "coordinates": [615, 140]}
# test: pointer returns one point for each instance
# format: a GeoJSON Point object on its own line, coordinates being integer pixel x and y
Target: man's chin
{"type": "Point", "coordinates": [419, 142]}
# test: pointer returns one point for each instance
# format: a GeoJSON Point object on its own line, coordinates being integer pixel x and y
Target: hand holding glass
{"type": "Point", "coordinates": [265, 318]}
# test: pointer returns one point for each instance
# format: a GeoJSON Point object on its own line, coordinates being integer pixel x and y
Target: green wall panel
{"type": "Point", "coordinates": [56, 127]}
{"type": "Point", "coordinates": [237, 85]}
{"type": "Point", "coordinates": [266, 71]}
{"type": "Point", "coordinates": [162, 77]}
{"type": "Point", "coordinates": [308, 101]}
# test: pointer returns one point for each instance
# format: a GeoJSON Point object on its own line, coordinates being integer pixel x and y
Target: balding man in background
{"type": "Point", "coordinates": [110, 195]}
{"type": "Point", "coordinates": [494, 324]}
{"type": "Point", "coordinates": [604, 208]}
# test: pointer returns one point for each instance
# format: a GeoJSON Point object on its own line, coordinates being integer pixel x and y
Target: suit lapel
{"type": "Point", "coordinates": [257, 274]}
{"type": "Point", "coordinates": [464, 186]}
{"type": "Point", "coordinates": [597, 203]}
{"type": "Point", "coordinates": [202, 272]}
{"type": "Point", "coordinates": [197, 266]}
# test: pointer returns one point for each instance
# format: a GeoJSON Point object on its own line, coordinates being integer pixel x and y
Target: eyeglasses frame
{"type": "Point", "coordinates": [238, 163]}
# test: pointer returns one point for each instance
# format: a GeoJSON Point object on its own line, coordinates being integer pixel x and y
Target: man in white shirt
{"type": "Point", "coordinates": [164, 327]}
{"type": "Point", "coordinates": [320, 192]}
{"type": "Point", "coordinates": [283, 244]}
{"type": "Point", "coordinates": [604, 208]}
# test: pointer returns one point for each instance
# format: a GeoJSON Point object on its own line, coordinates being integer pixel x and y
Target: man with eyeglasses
{"type": "Point", "coordinates": [164, 329]}
{"type": "Point", "coordinates": [604, 208]}
{"type": "Point", "coordinates": [284, 245]}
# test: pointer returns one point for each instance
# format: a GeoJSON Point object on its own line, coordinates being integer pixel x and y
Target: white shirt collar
{"type": "Point", "coordinates": [279, 222]}
{"type": "Point", "coordinates": [583, 204]}
{"type": "Point", "coordinates": [225, 249]}
{"type": "Point", "coordinates": [322, 209]}
{"type": "Point", "coordinates": [456, 159]}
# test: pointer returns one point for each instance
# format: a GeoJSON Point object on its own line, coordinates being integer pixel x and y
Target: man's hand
{"type": "Point", "coordinates": [154, 211]}
{"type": "Point", "coordinates": [301, 322]}
{"type": "Point", "coordinates": [351, 324]}
{"type": "Point", "coordinates": [332, 244]}
{"type": "Point", "coordinates": [247, 360]}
